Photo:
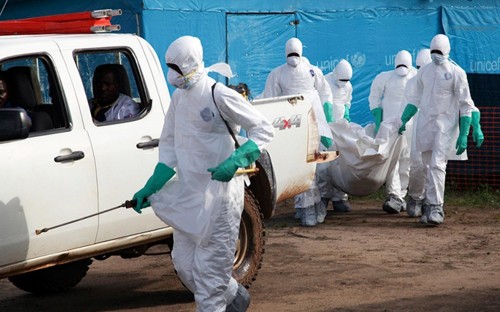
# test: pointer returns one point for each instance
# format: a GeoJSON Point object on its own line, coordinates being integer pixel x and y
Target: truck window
{"type": "Point", "coordinates": [32, 84]}
{"type": "Point", "coordinates": [112, 85]}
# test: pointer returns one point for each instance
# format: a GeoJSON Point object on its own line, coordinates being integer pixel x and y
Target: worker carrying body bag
{"type": "Point", "coordinates": [364, 161]}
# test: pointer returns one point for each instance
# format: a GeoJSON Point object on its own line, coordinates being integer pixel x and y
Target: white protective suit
{"type": "Point", "coordinates": [204, 213]}
{"type": "Point", "coordinates": [341, 97]}
{"type": "Point", "coordinates": [417, 170]}
{"type": "Point", "coordinates": [298, 76]}
{"type": "Point", "coordinates": [417, 175]}
{"type": "Point", "coordinates": [341, 91]}
{"type": "Point", "coordinates": [387, 92]}
{"type": "Point", "coordinates": [442, 95]}
{"type": "Point", "coordinates": [304, 78]}
{"type": "Point", "coordinates": [123, 107]}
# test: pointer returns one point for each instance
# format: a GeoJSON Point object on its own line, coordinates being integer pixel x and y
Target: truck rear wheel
{"type": "Point", "coordinates": [52, 280]}
{"type": "Point", "coordinates": [250, 244]}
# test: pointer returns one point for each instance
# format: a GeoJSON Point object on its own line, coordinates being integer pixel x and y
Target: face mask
{"type": "Point", "coordinates": [341, 83]}
{"type": "Point", "coordinates": [176, 80]}
{"type": "Point", "coordinates": [438, 59]}
{"type": "Point", "coordinates": [179, 81]}
{"type": "Point", "coordinates": [402, 71]}
{"type": "Point", "coordinates": [293, 61]}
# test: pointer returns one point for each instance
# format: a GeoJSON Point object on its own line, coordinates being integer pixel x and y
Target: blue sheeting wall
{"type": "Point", "coordinates": [369, 40]}
{"type": "Point", "coordinates": [250, 35]}
{"type": "Point", "coordinates": [475, 37]}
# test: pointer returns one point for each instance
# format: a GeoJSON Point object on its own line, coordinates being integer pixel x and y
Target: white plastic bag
{"type": "Point", "coordinates": [364, 160]}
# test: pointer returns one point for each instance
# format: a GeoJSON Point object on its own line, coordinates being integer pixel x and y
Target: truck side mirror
{"type": "Point", "coordinates": [14, 124]}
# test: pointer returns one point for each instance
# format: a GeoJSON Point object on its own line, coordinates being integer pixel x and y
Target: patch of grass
{"type": "Point", "coordinates": [379, 195]}
{"type": "Point", "coordinates": [481, 197]}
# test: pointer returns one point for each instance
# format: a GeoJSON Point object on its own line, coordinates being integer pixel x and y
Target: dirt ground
{"type": "Point", "coordinates": [365, 260]}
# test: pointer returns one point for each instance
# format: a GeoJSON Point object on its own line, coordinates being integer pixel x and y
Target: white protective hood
{"type": "Point", "coordinates": [423, 57]}
{"type": "Point", "coordinates": [187, 53]}
{"type": "Point", "coordinates": [293, 45]}
{"type": "Point", "coordinates": [343, 70]}
{"type": "Point", "coordinates": [441, 43]}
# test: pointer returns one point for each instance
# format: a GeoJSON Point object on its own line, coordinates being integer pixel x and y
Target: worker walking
{"type": "Point", "coordinates": [298, 76]}
{"type": "Point", "coordinates": [204, 202]}
{"type": "Point", "coordinates": [386, 97]}
{"type": "Point", "coordinates": [443, 99]}
{"type": "Point", "coordinates": [417, 172]}
{"type": "Point", "coordinates": [416, 184]}
{"type": "Point", "coordinates": [339, 81]}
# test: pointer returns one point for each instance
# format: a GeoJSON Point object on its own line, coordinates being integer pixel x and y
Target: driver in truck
{"type": "Point", "coordinates": [204, 201]}
{"type": "Point", "coordinates": [109, 102]}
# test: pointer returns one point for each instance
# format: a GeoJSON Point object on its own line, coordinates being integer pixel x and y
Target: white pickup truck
{"type": "Point", "coordinates": [58, 164]}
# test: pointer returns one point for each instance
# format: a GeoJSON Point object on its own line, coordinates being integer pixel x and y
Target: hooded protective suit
{"type": "Point", "coordinates": [204, 213]}
{"type": "Point", "coordinates": [387, 89]}
{"type": "Point", "coordinates": [442, 95]}
{"type": "Point", "coordinates": [417, 175]}
{"type": "Point", "coordinates": [341, 87]}
{"type": "Point", "coordinates": [386, 93]}
{"type": "Point", "coordinates": [298, 76]}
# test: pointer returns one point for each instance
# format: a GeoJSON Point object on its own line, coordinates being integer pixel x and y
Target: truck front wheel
{"type": "Point", "coordinates": [52, 280]}
{"type": "Point", "coordinates": [250, 244]}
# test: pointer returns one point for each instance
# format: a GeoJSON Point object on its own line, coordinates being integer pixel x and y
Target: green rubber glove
{"type": "Point", "coordinates": [408, 113]}
{"type": "Point", "coordinates": [240, 158]}
{"type": "Point", "coordinates": [328, 109]}
{"type": "Point", "coordinates": [377, 115]}
{"type": "Point", "coordinates": [477, 134]}
{"type": "Point", "coordinates": [346, 113]}
{"type": "Point", "coordinates": [461, 145]}
{"type": "Point", "coordinates": [327, 142]}
{"type": "Point", "coordinates": [160, 176]}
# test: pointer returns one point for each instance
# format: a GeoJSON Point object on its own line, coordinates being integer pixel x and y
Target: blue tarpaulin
{"type": "Point", "coordinates": [475, 38]}
{"type": "Point", "coordinates": [251, 35]}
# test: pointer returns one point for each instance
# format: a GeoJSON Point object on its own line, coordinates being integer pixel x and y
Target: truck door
{"type": "Point", "coordinates": [125, 147]}
{"type": "Point", "coordinates": [48, 178]}
{"type": "Point", "coordinates": [256, 45]}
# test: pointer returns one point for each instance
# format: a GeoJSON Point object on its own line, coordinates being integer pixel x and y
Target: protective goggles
{"type": "Point", "coordinates": [175, 67]}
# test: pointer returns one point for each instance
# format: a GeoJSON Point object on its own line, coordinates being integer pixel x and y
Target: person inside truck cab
{"type": "Point", "coordinates": [110, 100]}
{"type": "Point", "coordinates": [4, 93]}
{"type": "Point", "coordinates": [242, 88]}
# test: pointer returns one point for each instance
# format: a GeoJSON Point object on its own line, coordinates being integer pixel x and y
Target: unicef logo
{"type": "Point", "coordinates": [358, 59]}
